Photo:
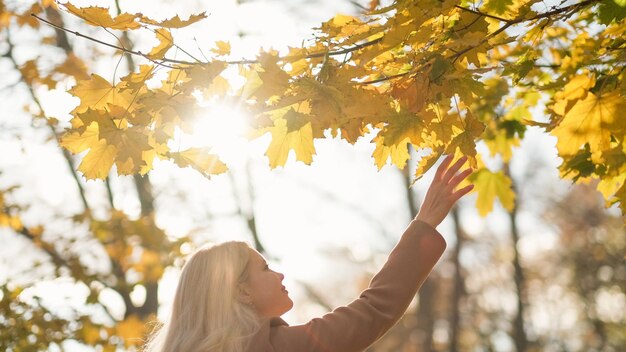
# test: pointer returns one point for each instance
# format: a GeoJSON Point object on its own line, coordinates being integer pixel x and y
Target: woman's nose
{"type": "Point", "coordinates": [281, 276]}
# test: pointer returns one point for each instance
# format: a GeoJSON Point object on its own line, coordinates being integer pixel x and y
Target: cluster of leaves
{"type": "Point", "coordinates": [437, 75]}
{"type": "Point", "coordinates": [137, 252]}
{"type": "Point", "coordinates": [125, 254]}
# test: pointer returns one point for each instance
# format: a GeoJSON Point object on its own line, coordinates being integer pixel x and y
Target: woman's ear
{"type": "Point", "coordinates": [243, 295]}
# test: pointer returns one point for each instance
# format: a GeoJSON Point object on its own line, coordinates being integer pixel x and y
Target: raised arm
{"type": "Point", "coordinates": [379, 307]}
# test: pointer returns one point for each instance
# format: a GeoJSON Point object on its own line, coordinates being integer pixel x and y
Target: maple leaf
{"type": "Point", "coordinates": [591, 120]}
{"type": "Point", "coordinates": [97, 93]}
{"type": "Point", "coordinates": [135, 81]}
{"type": "Point", "coordinates": [73, 66]}
{"type": "Point", "coordinates": [202, 76]}
{"type": "Point", "coordinates": [575, 89]}
{"type": "Point", "coordinates": [412, 93]}
{"type": "Point", "coordinates": [403, 126]}
{"type": "Point", "coordinates": [218, 87]}
{"type": "Point", "coordinates": [165, 43]}
{"type": "Point", "coordinates": [291, 132]}
{"type": "Point", "coordinates": [426, 162]}
{"type": "Point", "coordinates": [398, 152]}
{"type": "Point", "coordinates": [199, 159]}
{"type": "Point", "coordinates": [274, 81]}
{"type": "Point", "coordinates": [97, 163]}
{"type": "Point", "coordinates": [76, 141]}
{"type": "Point", "coordinates": [498, 6]}
{"type": "Point", "coordinates": [465, 141]}
{"type": "Point", "coordinates": [489, 186]}
{"type": "Point", "coordinates": [174, 22]}
{"type": "Point", "coordinates": [441, 128]}
{"type": "Point", "coordinates": [620, 196]}
{"type": "Point", "coordinates": [99, 16]}
{"type": "Point", "coordinates": [222, 48]}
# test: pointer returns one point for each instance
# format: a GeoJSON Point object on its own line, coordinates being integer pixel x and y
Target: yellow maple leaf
{"type": "Point", "coordinates": [174, 22]}
{"type": "Point", "coordinates": [199, 159]}
{"type": "Point", "coordinates": [620, 196]}
{"type": "Point", "coordinates": [135, 81]}
{"type": "Point", "coordinates": [73, 66]}
{"type": "Point", "coordinates": [591, 120]}
{"type": "Point", "coordinates": [98, 161]}
{"type": "Point", "coordinates": [165, 43]}
{"type": "Point", "coordinates": [489, 186]}
{"type": "Point", "coordinates": [401, 126]}
{"type": "Point", "coordinates": [577, 87]}
{"type": "Point", "coordinates": [219, 87]}
{"type": "Point", "coordinates": [202, 76]}
{"type": "Point", "coordinates": [398, 152]}
{"type": "Point", "coordinates": [76, 141]}
{"type": "Point", "coordinates": [465, 141]}
{"type": "Point", "coordinates": [609, 185]}
{"type": "Point", "coordinates": [222, 48]}
{"type": "Point", "coordinates": [274, 81]}
{"type": "Point", "coordinates": [100, 16]}
{"type": "Point", "coordinates": [97, 93]}
{"type": "Point", "coordinates": [291, 132]}
{"type": "Point", "coordinates": [442, 127]}
{"type": "Point", "coordinates": [426, 162]}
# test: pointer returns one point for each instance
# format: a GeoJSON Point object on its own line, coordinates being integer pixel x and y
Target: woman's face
{"type": "Point", "coordinates": [264, 288]}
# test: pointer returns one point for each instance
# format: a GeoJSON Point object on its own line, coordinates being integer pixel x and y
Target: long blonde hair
{"type": "Point", "coordinates": [206, 314]}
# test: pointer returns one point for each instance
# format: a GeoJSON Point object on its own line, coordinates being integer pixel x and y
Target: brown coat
{"type": "Point", "coordinates": [359, 324]}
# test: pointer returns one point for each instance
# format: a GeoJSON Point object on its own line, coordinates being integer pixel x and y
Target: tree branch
{"type": "Point", "coordinates": [163, 61]}
{"type": "Point", "coordinates": [66, 155]}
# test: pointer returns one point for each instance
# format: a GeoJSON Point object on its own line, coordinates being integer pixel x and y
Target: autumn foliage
{"type": "Point", "coordinates": [436, 76]}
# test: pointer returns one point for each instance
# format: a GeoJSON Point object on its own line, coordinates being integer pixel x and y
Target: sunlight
{"type": "Point", "coordinates": [223, 127]}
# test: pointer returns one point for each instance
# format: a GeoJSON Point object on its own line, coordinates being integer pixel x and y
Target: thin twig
{"type": "Point", "coordinates": [162, 62]}
{"type": "Point", "coordinates": [479, 13]}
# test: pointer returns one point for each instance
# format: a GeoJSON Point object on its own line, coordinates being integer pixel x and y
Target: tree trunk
{"type": "Point", "coordinates": [458, 292]}
{"type": "Point", "coordinates": [519, 334]}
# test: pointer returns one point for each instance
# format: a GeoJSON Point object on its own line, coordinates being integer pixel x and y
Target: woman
{"type": "Point", "coordinates": [228, 300]}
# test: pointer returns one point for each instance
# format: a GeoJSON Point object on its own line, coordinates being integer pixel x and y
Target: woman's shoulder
{"type": "Point", "coordinates": [261, 341]}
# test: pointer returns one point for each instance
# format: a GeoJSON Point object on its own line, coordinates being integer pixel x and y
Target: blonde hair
{"type": "Point", "coordinates": [206, 314]}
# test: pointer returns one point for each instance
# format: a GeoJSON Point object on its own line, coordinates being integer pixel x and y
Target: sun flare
{"type": "Point", "coordinates": [222, 127]}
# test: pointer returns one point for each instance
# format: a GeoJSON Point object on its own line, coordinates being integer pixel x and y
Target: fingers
{"type": "Point", "coordinates": [460, 193]}
{"type": "Point", "coordinates": [457, 179]}
{"type": "Point", "coordinates": [444, 165]}
{"type": "Point", "coordinates": [454, 169]}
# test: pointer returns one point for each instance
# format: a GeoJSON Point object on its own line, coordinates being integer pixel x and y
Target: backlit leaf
{"type": "Point", "coordinates": [97, 93]}
{"type": "Point", "coordinates": [97, 163]}
{"type": "Point", "coordinates": [200, 159]}
{"type": "Point", "coordinates": [174, 22]}
{"type": "Point", "coordinates": [591, 120]}
{"type": "Point", "coordinates": [489, 186]}
{"type": "Point", "coordinates": [99, 16]}
{"type": "Point", "coordinates": [165, 43]}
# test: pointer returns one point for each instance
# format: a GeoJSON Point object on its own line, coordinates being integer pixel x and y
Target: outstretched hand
{"type": "Point", "coordinates": [441, 195]}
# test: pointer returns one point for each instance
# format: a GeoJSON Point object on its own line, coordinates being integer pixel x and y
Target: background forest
{"type": "Point", "coordinates": [89, 256]}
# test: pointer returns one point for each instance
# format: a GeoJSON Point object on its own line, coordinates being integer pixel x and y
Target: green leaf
{"type": "Point", "coordinates": [498, 6]}
{"type": "Point", "coordinates": [610, 11]}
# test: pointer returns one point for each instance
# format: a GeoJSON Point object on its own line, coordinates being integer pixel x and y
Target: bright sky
{"type": "Point", "coordinates": [316, 221]}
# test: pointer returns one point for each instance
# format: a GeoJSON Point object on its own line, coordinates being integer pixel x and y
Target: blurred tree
{"type": "Point", "coordinates": [591, 255]}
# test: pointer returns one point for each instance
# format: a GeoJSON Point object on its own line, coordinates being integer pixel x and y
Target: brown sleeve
{"type": "Point", "coordinates": [362, 322]}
